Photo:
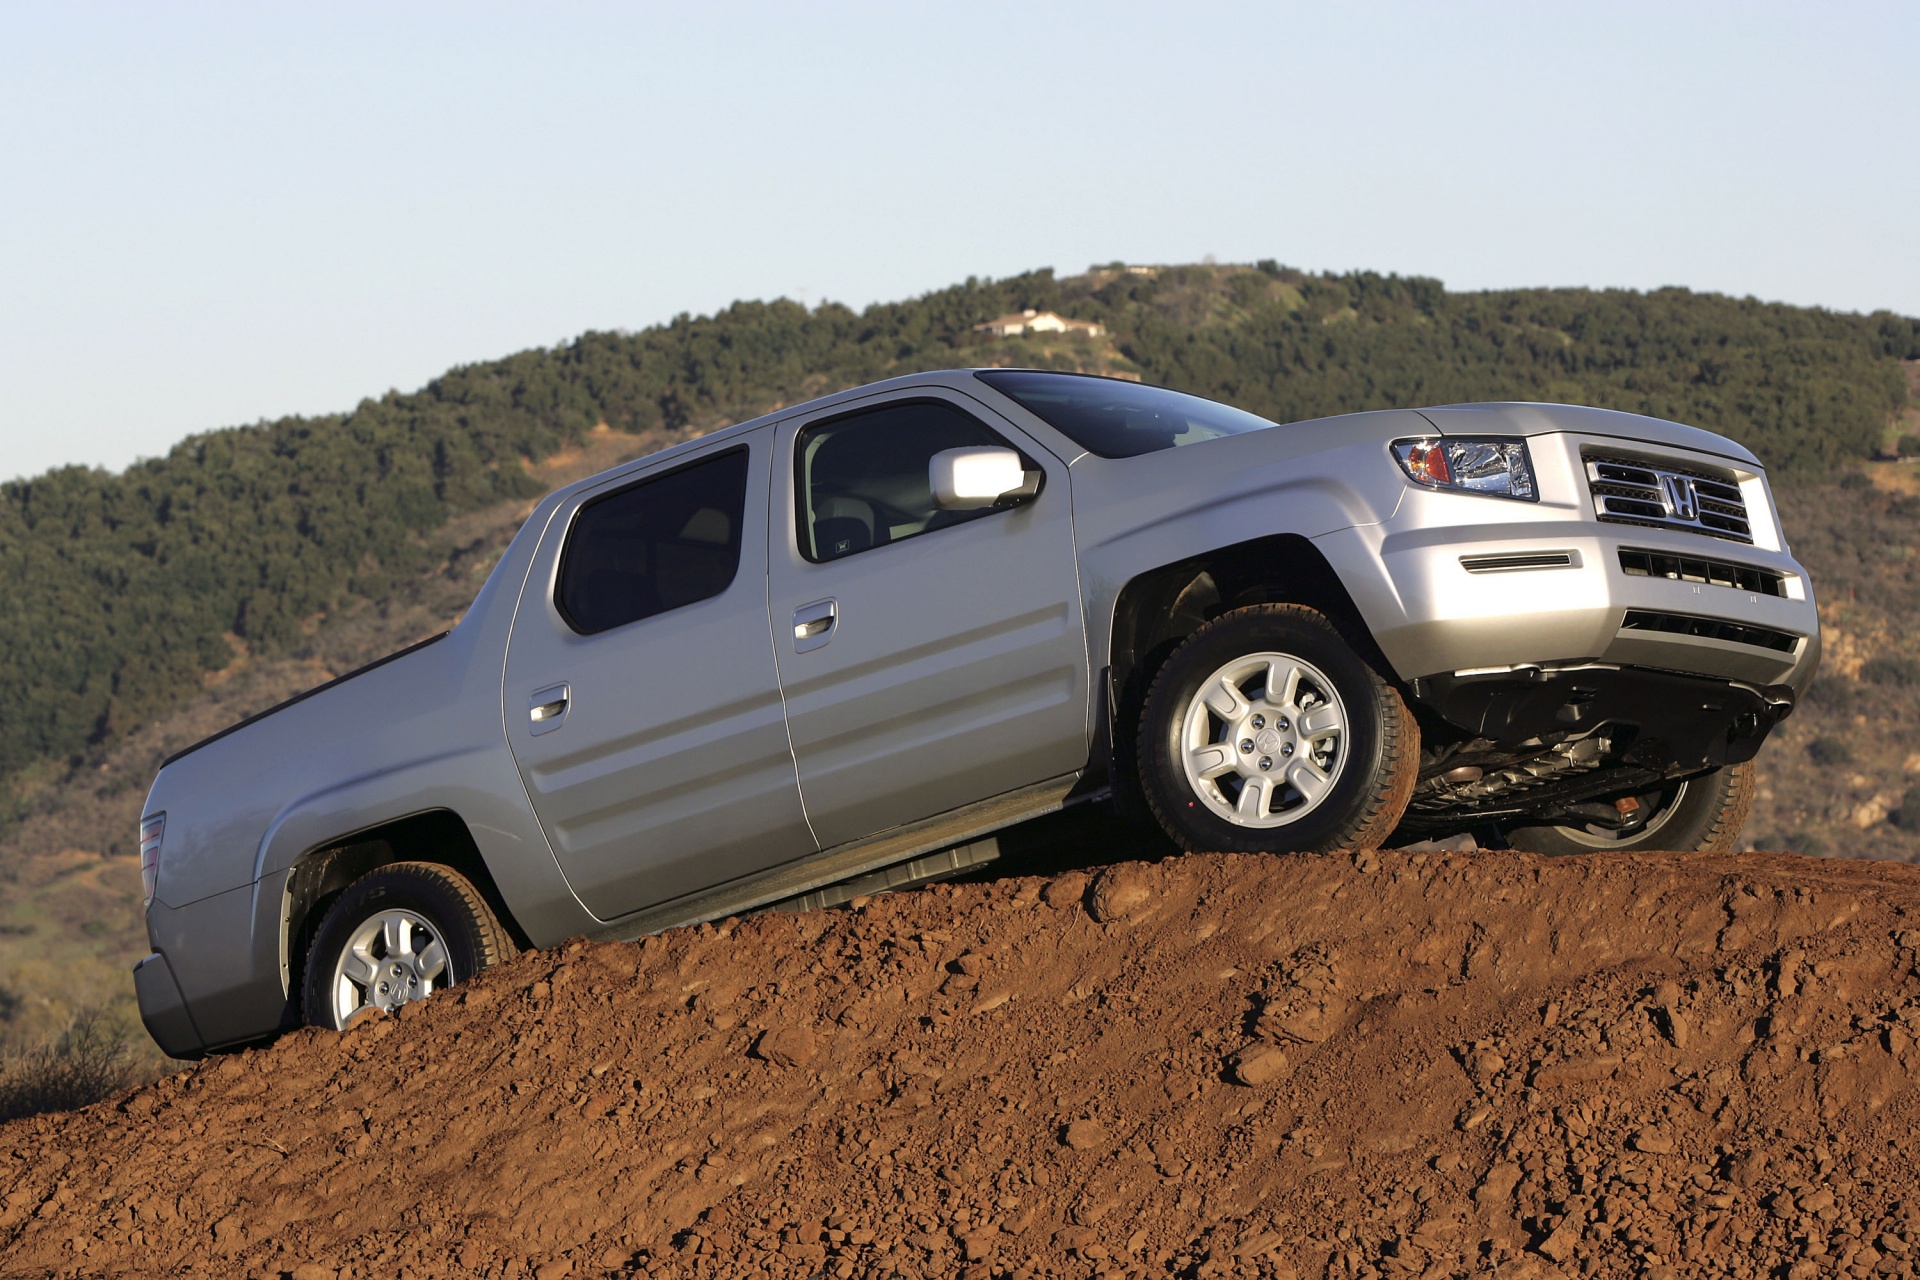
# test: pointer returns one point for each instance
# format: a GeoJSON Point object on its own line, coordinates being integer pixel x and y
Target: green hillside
{"type": "Point", "coordinates": [124, 591]}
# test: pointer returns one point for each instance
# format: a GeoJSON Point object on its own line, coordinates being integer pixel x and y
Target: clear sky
{"type": "Point", "coordinates": [211, 214]}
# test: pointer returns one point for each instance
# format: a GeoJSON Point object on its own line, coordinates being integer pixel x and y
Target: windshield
{"type": "Point", "coordinates": [1119, 419]}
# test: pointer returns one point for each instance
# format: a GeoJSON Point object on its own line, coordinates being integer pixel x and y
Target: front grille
{"type": "Point", "coordinates": [1666, 495]}
{"type": "Point", "coordinates": [1682, 624]}
{"type": "Point", "coordinates": [1719, 573]}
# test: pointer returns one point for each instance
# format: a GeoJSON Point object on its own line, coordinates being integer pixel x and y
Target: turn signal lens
{"type": "Point", "coordinates": [1498, 467]}
{"type": "Point", "coordinates": [151, 829]}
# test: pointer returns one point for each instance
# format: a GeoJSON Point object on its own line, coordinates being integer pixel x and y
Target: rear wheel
{"type": "Point", "coordinates": [397, 935]}
{"type": "Point", "coordinates": [1266, 732]}
{"type": "Point", "coordinates": [1703, 814]}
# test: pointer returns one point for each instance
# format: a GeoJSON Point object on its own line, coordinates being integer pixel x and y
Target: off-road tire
{"type": "Point", "coordinates": [456, 912]}
{"type": "Point", "coordinates": [1381, 739]}
{"type": "Point", "coordinates": [1707, 818]}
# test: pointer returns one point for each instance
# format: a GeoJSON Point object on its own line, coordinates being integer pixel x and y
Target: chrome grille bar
{"type": "Point", "coordinates": [1666, 495]}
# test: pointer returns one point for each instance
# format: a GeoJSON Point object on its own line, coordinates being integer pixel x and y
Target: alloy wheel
{"type": "Point", "coordinates": [1264, 740]}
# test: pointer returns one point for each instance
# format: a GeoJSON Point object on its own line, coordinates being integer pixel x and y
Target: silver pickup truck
{"type": "Point", "coordinates": [836, 648]}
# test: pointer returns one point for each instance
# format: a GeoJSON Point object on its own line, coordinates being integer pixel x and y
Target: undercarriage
{"type": "Point", "coordinates": [1590, 745]}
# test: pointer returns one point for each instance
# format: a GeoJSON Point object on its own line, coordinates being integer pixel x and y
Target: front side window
{"type": "Point", "coordinates": [668, 541]}
{"type": "Point", "coordinates": [863, 478]}
{"type": "Point", "coordinates": [1115, 418]}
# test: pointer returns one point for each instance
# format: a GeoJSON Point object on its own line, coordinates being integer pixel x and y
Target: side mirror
{"type": "Point", "coordinates": [982, 476]}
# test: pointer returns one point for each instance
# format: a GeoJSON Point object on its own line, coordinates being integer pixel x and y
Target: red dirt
{"type": "Point", "coordinates": [1387, 1064]}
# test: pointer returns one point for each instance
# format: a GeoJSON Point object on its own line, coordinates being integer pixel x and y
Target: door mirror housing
{"type": "Point", "coordinates": [982, 476]}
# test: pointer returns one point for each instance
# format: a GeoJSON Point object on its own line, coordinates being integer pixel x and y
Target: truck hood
{"type": "Point", "coordinates": [1525, 419]}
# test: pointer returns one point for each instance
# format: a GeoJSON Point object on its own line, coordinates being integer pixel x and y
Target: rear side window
{"type": "Point", "coordinates": [668, 541]}
{"type": "Point", "coordinates": [863, 478]}
{"type": "Point", "coordinates": [1119, 419]}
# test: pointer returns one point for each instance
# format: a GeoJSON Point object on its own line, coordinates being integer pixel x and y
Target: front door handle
{"type": "Point", "coordinates": [813, 624]}
{"type": "Point", "coordinates": [547, 708]}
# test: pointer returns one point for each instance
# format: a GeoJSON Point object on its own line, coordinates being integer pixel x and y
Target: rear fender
{"type": "Point", "coordinates": [478, 785]}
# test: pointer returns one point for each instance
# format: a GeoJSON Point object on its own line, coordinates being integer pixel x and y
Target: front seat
{"type": "Point", "coordinates": [844, 525]}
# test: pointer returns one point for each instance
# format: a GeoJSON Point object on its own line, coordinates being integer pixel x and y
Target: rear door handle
{"type": "Point", "coordinates": [813, 624]}
{"type": "Point", "coordinates": [547, 708]}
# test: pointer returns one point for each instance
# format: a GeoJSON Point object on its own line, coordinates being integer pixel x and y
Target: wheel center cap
{"type": "Point", "coordinates": [400, 977]}
{"type": "Point", "coordinates": [1267, 741]}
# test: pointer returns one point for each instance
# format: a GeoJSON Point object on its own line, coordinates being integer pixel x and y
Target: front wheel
{"type": "Point", "coordinates": [396, 935]}
{"type": "Point", "coordinates": [1702, 814]}
{"type": "Point", "coordinates": [1266, 732]}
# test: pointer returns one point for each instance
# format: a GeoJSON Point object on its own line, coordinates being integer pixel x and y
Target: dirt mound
{"type": "Point", "coordinates": [1386, 1064]}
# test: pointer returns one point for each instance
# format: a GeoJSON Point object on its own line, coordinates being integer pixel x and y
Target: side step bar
{"type": "Point", "coordinates": [902, 848]}
{"type": "Point", "coordinates": [904, 875]}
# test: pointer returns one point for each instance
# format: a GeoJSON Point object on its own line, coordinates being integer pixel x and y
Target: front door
{"type": "Point", "coordinates": [642, 700]}
{"type": "Point", "coordinates": [929, 658]}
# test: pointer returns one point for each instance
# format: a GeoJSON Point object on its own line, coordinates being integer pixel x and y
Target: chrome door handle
{"type": "Point", "coordinates": [547, 707]}
{"type": "Point", "coordinates": [813, 624]}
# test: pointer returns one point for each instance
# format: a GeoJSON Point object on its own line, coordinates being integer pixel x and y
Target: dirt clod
{"type": "Point", "coordinates": [787, 1046]}
{"type": "Point", "coordinates": [1258, 1064]}
{"type": "Point", "coordinates": [1121, 892]}
{"type": "Point", "coordinates": [1084, 1135]}
{"type": "Point", "coordinates": [1475, 1071]}
{"type": "Point", "coordinates": [1068, 889]}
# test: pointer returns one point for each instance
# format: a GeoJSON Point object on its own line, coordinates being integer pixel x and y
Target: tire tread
{"type": "Point", "coordinates": [1730, 814]}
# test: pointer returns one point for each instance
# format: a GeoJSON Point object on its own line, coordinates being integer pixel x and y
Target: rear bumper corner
{"type": "Point", "coordinates": [164, 1010]}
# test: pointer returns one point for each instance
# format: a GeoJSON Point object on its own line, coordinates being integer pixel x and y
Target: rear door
{"type": "Point", "coordinates": [642, 700]}
{"type": "Point", "coordinates": [929, 658]}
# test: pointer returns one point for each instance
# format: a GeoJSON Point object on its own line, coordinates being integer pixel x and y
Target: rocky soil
{"type": "Point", "coordinates": [1384, 1064]}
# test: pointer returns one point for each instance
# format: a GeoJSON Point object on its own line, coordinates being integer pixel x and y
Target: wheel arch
{"type": "Point", "coordinates": [1160, 607]}
{"type": "Point", "coordinates": [321, 874]}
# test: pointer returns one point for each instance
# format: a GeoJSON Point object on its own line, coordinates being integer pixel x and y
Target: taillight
{"type": "Point", "coordinates": [151, 830]}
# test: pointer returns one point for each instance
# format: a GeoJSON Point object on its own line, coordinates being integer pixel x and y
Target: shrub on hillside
{"type": "Point", "coordinates": [1825, 750]}
{"type": "Point", "coordinates": [88, 1061]}
{"type": "Point", "coordinates": [1833, 692]}
{"type": "Point", "coordinates": [1891, 668]}
{"type": "Point", "coordinates": [1909, 446]}
{"type": "Point", "coordinates": [1907, 816]}
{"type": "Point", "coordinates": [1791, 842]}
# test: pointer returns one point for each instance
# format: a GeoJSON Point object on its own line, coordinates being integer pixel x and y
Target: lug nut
{"type": "Point", "coordinates": [1281, 724]}
{"type": "Point", "coordinates": [1259, 722]}
{"type": "Point", "coordinates": [1266, 762]}
{"type": "Point", "coordinates": [1246, 745]}
{"type": "Point", "coordinates": [1287, 749]}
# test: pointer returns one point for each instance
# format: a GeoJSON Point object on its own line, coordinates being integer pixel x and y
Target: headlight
{"type": "Point", "coordinates": [1498, 467]}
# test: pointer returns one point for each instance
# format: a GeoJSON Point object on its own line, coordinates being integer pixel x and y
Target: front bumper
{"type": "Point", "coordinates": [1452, 617]}
{"type": "Point", "coordinates": [1454, 583]}
{"type": "Point", "coordinates": [163, 1009]}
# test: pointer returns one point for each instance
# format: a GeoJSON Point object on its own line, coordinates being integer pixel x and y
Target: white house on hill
{"type": "Point", "coordinates": [1031, 321]}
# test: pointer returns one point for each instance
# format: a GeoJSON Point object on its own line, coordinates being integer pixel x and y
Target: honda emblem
{"type": "Point", "coordinates": [1681, 501]}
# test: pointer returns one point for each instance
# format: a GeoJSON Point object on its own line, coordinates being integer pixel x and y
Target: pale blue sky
{"type": "Point", "coordinates": [215, 213]}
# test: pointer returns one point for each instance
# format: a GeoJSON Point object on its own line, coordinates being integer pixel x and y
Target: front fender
{"type": "Point", "coordinates": [1134, 515]}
